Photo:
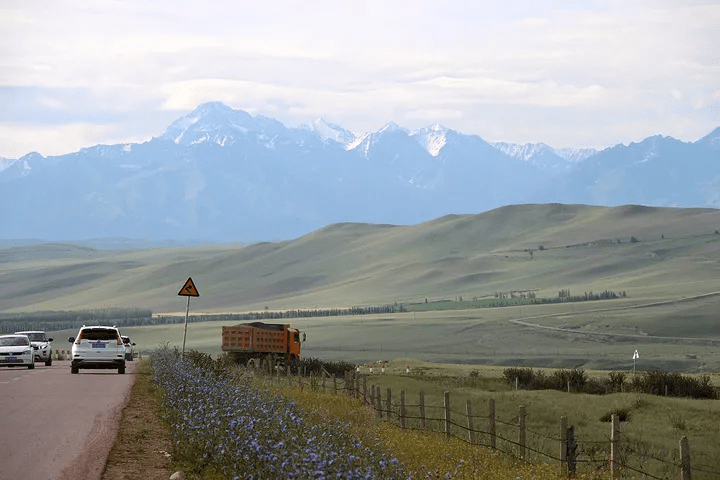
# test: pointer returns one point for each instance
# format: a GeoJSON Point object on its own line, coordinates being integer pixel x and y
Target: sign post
{"type": "Point", "coordinates": [635, 355]}
{"type": "Point", "coordinates": [188, 290]}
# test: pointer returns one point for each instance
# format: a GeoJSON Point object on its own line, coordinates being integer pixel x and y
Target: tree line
{"type": "Point", "coordinates": [63, 320]}
{"type": "Point", "coordinates": [279, 315]}
{"type": "Point", "coordinates": [136, 317]}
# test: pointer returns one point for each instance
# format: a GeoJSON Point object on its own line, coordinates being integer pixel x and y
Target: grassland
{"type": "Point", "coordinates": [670, 275]}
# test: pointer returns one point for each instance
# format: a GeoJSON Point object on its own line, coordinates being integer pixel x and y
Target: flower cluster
{"type": "Point", "coordinates": [245, 432]}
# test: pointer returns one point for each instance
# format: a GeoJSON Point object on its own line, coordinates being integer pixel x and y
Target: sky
{"type": "Point", "coordinates": [588, 74]}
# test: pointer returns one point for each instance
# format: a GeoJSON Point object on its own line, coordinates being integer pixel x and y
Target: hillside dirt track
{"type": "Point", "coordinates": [56, 425]}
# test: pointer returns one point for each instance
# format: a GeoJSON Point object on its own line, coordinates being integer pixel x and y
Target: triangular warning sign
{"type": "Point", "coordinates": [189, 289]}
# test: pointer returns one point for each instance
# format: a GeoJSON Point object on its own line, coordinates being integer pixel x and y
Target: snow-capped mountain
{"type": "Point", "coordinates": [544, 155]}
{"type": "Point", "coordinates": [223, 174]}
{"type": "Point", "coordinates": [432, 138]}
{"type": "Point", "coordinates": [330, 131]}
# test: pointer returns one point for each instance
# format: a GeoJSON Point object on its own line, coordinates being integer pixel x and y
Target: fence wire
{"type": "Point", "coordinates": [590, 453]}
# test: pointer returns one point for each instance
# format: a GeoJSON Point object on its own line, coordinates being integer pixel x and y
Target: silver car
{"type": "Point", "coordinates": [97, 347]}
{"type": "Point", "coordinates": [41, 345]}
{"type": "Point", "coordinates": [16, 350]}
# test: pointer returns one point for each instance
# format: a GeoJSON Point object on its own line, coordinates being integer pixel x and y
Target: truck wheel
{"type": "Point", "coordinates": [74, 370]}
{"type": "Point", "coordinates": [48, 362]}
{"type": "Point", "coordinates": [121, 370]}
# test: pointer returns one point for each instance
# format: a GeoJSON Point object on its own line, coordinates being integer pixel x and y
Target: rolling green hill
{"type": "Point", "coordinates": [653, 254]}
{"type": "Point", "coordinates": [353, 264]}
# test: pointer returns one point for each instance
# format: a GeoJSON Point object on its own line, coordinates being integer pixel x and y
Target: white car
{"type": "Point", "coordinates": [41, 345]}
{"type": "Point", "coordinates": [129, 348]}
{"type": "Point", "coordinates": [97, 347]}
{"type": "Point", "coordinates": [16, 350]}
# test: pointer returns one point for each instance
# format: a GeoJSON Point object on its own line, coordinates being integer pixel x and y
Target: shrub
{"type": "Point", "coordinates": [658, 382]}
{"type": "Point", "coordinates": [616, 380]}
{"type": "Point", "coordinates": [622, 413]}
{"type": "Point", "coordinates": [526, 377]}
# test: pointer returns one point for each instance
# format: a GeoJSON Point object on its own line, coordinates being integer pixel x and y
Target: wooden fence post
{"type": "Point", "coordinates": [571, 452]}
{"type": "Point", "coordinates": [289, 376]}
{"type": "Point", "coordinates": [614, 451]}
{"type": "Point", "coordinates": [389, 403]}
{"type": "Point", "coordinates": [402, 408]}
{"type": "Point", "coordinates": [378, 401]}
{"type": "Point", "coordinates": [374, 402]}
{"type": "Point", "coordinates": [685, 459]}
{"type": "Point", "coordinates": [521, 432]}
{"type": "Point", "coordinates": [491, 423]}
{"type": "Point", "coordinates": [357, 385]}
{"type": "Point", "coordinates": [365, 399]}
{"type": "Point", "coordinates": [563, 445]}
{"type": "Point", "coordinates": [422, 409]}
{"type": "Point", "coordinates": [471, 430]}
{"type": "Point", "coordinates": [334, 385]}
{"type": "Point", "coordinates": [323, 380]}
{"type": "Point", "coordinates": [447, 413]}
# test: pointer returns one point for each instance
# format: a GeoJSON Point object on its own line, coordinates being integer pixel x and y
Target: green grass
{"type": "Point", "coordinates": [655, 424]}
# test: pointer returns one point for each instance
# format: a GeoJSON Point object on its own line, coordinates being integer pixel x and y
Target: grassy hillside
{"type": "Point", "coordinates": [653, 254]}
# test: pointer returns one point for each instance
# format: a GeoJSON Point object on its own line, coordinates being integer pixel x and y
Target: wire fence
{"type": "Point", "coordinates": [616, 456]}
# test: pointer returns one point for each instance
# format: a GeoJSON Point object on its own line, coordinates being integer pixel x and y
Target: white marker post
{"type": "Point", "coordinates": [188, 290]}
{"type": "Point", "coordinates": [635, 355]}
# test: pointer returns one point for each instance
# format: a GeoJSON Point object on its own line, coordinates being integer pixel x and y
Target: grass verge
{"type": "Point", "coordinates": [142, 447]}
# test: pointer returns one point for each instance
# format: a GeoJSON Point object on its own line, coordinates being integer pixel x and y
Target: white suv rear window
{"type": "Point", "coordinates": [98, 334]}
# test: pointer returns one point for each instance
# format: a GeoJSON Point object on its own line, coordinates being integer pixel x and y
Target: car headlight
{"type": "Point", "coordinates": [27, 351]}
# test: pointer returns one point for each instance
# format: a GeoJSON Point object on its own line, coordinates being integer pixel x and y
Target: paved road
{"type": "Point", "coordinates": [58, 426]}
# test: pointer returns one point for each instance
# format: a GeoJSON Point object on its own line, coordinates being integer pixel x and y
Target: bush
{"type": "Point", "coordinates": [315, 366]}
{"type": "Point", "coordinates": [616, 380]}
{"type": "Point", "coordinates": [576, 378]}
{"type": "Point", "coordinates": [526, 378]}
{"type": "Point", "coordinates": [622, 413]}
{"type": "Point", "coordinates": [676, 385]}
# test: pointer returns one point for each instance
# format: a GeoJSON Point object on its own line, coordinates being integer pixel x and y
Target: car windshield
{"type": "Point", "coordinates": [98, 334]}
{"type": "Point", "coordinates": [36, 337]}
{"type": "Point", "coordinates": [13, 341]}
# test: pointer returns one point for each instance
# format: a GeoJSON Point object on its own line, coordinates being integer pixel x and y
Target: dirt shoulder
{"type": "Point", "coordinates": [143, 445]}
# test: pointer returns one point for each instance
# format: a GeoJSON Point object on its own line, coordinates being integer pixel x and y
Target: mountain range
{"type": "Point", "coordinates": [223, 175]}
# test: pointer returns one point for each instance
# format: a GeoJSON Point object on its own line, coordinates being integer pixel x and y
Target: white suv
{"type": "Point", "coordinates": [41, 346]}
{"type": "Point", "coordinates": [129, 348]}
{"type": "Point", "coordinates": [97, 347]}
{"type": "Point", "coordinates": [16, 350]}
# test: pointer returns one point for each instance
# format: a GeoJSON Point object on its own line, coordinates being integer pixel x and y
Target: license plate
{"type": "Point", "coordinates": [98, 345]}
{"type": "Point", "coordinates": [11, 359]}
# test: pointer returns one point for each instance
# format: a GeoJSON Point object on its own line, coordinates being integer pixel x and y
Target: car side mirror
{"type": "Point", "coordinates": [71, 339]}
{"type": "Point", "coordinates": [133, 344]}
{"type": "Point", "coordinates": [50, 339]}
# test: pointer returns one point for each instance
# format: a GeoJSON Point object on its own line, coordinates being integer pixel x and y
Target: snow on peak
{"type": "Point", "coordinates": [533, 152]}
{"type": "Point", "coordinates": [391, 127]}
{"type": "Point", "coordinates": [211, 121]}
{"type": "Point", "coordinates": [575, 154]}
{"type": "Point", "coordinates": [525, 152]}
{"type": "Point", "coordinates": [330, 131]}
{"type": "Point", "coordinates": [432, 138]}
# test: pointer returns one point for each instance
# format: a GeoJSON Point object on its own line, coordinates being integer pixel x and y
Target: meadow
{"type": "Point", "coordinates": [666, 261]}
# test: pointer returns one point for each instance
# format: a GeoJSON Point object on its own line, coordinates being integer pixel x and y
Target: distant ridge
{"type": "Point", "coordinates": [224, 175]}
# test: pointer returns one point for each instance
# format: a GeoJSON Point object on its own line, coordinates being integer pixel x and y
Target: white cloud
{"type": "Point", "coordinates": [362, 65]}
{"type": "Point", "coordinates": [58, 139]}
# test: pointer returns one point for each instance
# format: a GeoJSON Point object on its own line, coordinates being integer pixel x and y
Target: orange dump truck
{"type": "Point", "coordinates": [261, 341]}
